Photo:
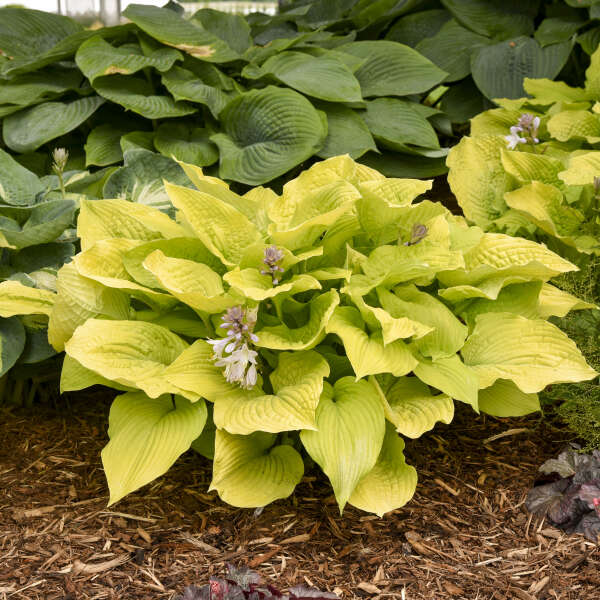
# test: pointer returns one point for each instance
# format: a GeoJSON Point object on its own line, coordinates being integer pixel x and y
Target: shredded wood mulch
{"type": "Point", "coordinates": [465, 535]}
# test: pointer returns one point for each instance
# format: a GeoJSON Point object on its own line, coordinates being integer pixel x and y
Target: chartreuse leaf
{"type": "Point", "coordinates": [592, 76]}
{"type": "Point", "coordinates": [574, 124]}
{"type": "Point", "coordinates": [526, 167]}
{"type": "Point", "coordinates": [367, 353]}
{"type": "Point", "coordinates": [409, 405]}
{"type": "Point", "coordinates": [478, 179]}
{"type": "Point", "coordinates": [558, 303]}
{"type": "Point", "coordinates": [193, 283]}
{"type": "Point", "coordinates": [221, 227]}
{"type": "Point", "coordinates": [12, 342]}
{"type": "Point", "coordinates": [505, 399]}
{"type": "Point", "coordinates": [546, 91]}
{"type": "Point", "coordinates": [18, 186]}
{"type": "Point", "coordinates": [307, 336]}
{"type": "Point", "coordinates": [147, 435]}
{"type": "Point", "coordinates": [171, 29]}
{"type": "Point", "coordinates": [248, 471]}
{"type": "Point", "coordinates": [531, 353]}
{"type": "Point", "coordinates": [544, 205]}
{"type": "Point", "coordinates": [391, 483]}
{"type": "Point", "coordinates": [392, 69]}
{"type": "Point", "coordinates": [132, 353]}
{"type": "Point", "coordinates": [297, 386]}
{"type": "Point", "coordinates": [451, 376]}
{"type": "Point", "coordinates": [582, 168]}
{"type": "Point", "coordinates": [96, 57]}
{"type": "Point", "coordinates": [103, 262]}
{"type": "Point", "coordinates": [349, 436]}
{"type": "Point", "coordinates": [102, 219]}
{"type": "Point", "coordinates": [78, 300]}
{"type": "Point", "coordinates": [27, 130]}
{"type": "Point", "coordinates": [266, 133]}
{"type": "Point", "coordinates": [74, 376]}
{"type": "Point", "coordinates": [18, 299]}
{"type": "Point", "coordinates": [448, 333]}
{"type": "Point", "coordinates": [256, 286]}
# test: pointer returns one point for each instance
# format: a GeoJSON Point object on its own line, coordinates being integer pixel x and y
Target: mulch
{"type": "Point", "coordinates": [465, 535]}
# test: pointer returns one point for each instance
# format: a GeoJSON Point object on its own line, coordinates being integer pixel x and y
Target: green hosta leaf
{"type": "Point", "coordinates": [45, 222]}
{"type": "Point", "coordinates": [18, 299]}
{"type": "Point", "coordinates": [409, 405]}
{"type": "Point", "coordinates": [448, 333]}
{"type": "Point", "coordinates": [186, 143]}
{"type": "Point", "coordinates": [297, 386]}
{"type": "Point", "coordinates": [451, 49]}
{"type": "Point", "coordinates": [32, 88]}
{"type": "Point", "coordinates": [185, 85]}
{"type": "Point", "coordinates": [397, 124]}
{"type": "Point", "coordinates": [168, 27]}
{"type": "Point", "coordinates": [307, 336]}
{"type": "Point", "coordinates": [266, 133]}
{"type": "Point", "coordinates": [146, 437]}
{"type": "Point", "coordinates": [351, 428]}
{"type": "Point", "coordinates": [18, 186]}
{"type": "Point", "coordinates": [256, 286]}
{"type": "Point", "coordinates": [544, 205]}
{"type": "Point", "coordinates": [43, 256]}
{"type": "Point", "coordinates": [557, 29]}
{"type": "Point", "coordinates": [347, 133]}
{"type": "Point", "coordinates": [498, 70]}
{"type": "Point", "coordinates": [103, 145]}
{"type": "Point", "coordinates": [532, 353]}
{"type": "Point", "coordinates": [27, 33]}
{"type": "Point", "coordinates": [31, 128]}
{"type": "Point", "coordinates": [138, 140]}
{"type": "Point", "coordinates": [96, 58]}
{"type": "Point", "coordinates": [478, 179]}
{"type": "Point", "coordinates": [324, 77]}
{"type": "Point", "coordinates": [505, 399]}
{"type": "Point", "coordinates": [392, 69]}
{"type": "Point", "coordinates": [78, 300]}
{"type": "Point", "coordinates": [367, 353]}
{"type": "Point", "coordinates": [232, 29]}
{"type": "Point", "coordinates": [582, 169]}
{"type": "Point", "coordinates": [410, 30]}
{"type": "Point", "coordinates": [509, 19]}
{"type": "Point", "coordinates": [37, 348]}
{"type": "Point", "coordinates": [391, 483]}
{"type": "Point", "coordinates": [102, 219]}
{"type": "Point", "coordinates": [194, 284]}
{"type": "Point", "coordinates": [136, 94]}
{"type": "Point", "coordinates": [248, 471]}
{"type": "Point", "coordinates": [142, 177]}
{"type": "Point", "coordinates": [132, 353]}
{"type": "Point", "coordinates": [451, 376]}
{"type": "Point", "coordinates": [221, 228]}
{"type": "Point", "coordinates": [12, 342]}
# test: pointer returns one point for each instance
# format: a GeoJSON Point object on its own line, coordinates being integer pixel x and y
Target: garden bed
{"type": "Point", "coordinates": [465, 534]}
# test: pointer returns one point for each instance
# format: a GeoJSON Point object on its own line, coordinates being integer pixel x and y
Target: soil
{"type": "Point", "coordinates": [465, 535]}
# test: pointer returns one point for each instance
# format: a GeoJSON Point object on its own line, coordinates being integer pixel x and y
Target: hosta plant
{"type": "Point", "coordinates": [322, 322]}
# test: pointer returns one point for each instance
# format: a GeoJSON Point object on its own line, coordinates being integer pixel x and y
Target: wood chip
{"type": "Point", "coordinates": [452, 589]}
{"type": "Point", "coordinates": [303, 537]}
{"type": "Point", "coordinates": [79, 568]}
{"type": "Point", "coordinates": [261, 558]}
{"type": "Point", "coordinates": [504, 434]}
{"type": "Point", "coordinates": [368, 587]}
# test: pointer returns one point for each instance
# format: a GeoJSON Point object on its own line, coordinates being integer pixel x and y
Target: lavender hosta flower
{"type": "Point", "coordinates": [273, 256]}
{"type": "Point", "coordinates": [233, 351]}
{"type": "Point", "coordinates": [514, 139]}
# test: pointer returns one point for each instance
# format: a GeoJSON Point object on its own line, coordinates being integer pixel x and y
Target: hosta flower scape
{"type": "Point", "coordinates": [330, 321]}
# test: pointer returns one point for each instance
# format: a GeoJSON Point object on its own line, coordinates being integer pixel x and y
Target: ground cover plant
{"type": "Point", "coordinates": [317, 323]}
{"type": "Point", "coordinates": [531, 168]}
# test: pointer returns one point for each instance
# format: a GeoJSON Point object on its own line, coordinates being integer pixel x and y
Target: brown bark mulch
{"type": "Point", "coordinates": [465, 535]}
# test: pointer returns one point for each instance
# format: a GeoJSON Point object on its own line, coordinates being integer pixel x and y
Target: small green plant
{"type": "Point", "coordinates": [323, 322]}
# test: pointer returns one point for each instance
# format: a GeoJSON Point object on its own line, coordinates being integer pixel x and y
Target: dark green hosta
{"type": "Point", "coordinates": [213, 91]}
